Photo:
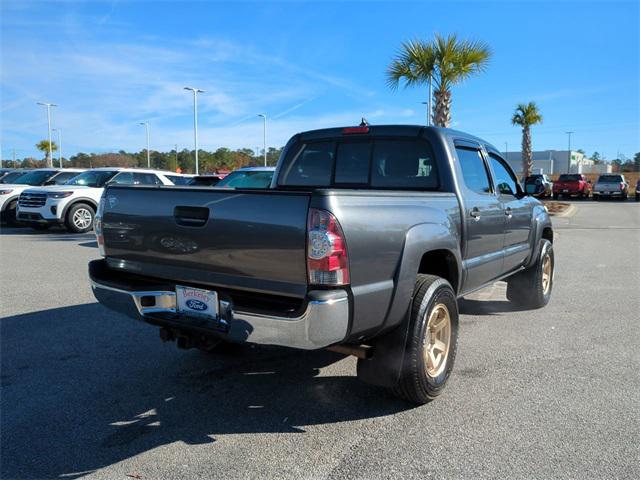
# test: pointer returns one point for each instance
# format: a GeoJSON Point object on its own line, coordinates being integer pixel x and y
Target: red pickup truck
{"type": "Point", "coordinates": [572, 185]}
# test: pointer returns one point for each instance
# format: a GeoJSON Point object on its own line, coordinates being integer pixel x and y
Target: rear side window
{"type": "Point", "coordinates": [146, 179]}
{"type": "Point", "coordinates": [311, 166]}
{"type": "Point", "coordinates": [123, 178]}
{"type": "Point", "coordinates": [403, 164]}
{"type": "Point", "coordinates": [64, 177]}
{"type": "Point", "coordinates": [474, 170]}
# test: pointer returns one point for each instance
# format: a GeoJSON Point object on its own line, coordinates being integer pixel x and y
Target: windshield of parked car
{"type": "Point", "coordinates": [246, 179]}
{"type": "Point", "coordinates": [95, 179]}
{"type": "Point", "coordinates": [534, 179]}
{"type": "Point", "coordinates": [610, 179]}
{"type": "Point", "coordinates": [36, 177]}
{"type": "Point", "coordinates": [11, 177]}
{"type": "Point", "coordinates": [569, 178]}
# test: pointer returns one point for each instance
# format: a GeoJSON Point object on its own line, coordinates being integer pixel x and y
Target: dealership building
{"type": "Point", "coordinates": [557, 161]}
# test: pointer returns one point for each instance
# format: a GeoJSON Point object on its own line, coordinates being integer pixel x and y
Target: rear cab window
{"type": "Point", "coordinates": [378, 162]}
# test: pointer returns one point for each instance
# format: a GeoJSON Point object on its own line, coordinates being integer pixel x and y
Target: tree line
{"type": "Point", "coordinates": [181, 160]}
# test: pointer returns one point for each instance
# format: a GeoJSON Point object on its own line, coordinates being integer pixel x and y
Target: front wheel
{"type": "Point", "coordinates": [80, 218]}
{"type": "Point", "coordinates": [532, 287]}
{"type": "Point", "coordinates": [432, 341]}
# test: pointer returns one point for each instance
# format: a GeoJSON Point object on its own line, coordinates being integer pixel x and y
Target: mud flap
{"type": "Point", "coordinates": [385, 366]}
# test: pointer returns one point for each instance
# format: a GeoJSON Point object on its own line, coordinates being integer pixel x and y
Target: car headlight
{"type": "Point", "coordinates": [59, 194]}
{"type": "Point", "coordinates": [6, 191]}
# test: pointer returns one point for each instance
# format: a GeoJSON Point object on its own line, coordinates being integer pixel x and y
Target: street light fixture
{"type": "Point", "coordinates": [195, 121]}
{"type": "Point", "coordinates": [59, 146]}
{"type": "Point", "coordinates": [49, 105]}
{"type": "Point", "coordinates": [146, 127]}
{"type": "Point", "coordinates": [569, 153]}
{"type": "Point", "coordinates": [264, 136]}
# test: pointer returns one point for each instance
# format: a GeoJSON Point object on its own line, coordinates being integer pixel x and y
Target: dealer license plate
{"type": "Point", "coordinates": [197, 302]}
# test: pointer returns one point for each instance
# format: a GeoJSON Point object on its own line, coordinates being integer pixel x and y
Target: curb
{"type": "Point", "coordinates": [567, 213]}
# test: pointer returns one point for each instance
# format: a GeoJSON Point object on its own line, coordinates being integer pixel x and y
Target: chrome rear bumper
{"type": "Point", "coordinates": [324, 321]}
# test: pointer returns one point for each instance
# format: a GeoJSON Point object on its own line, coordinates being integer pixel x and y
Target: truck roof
{"type": "Point", "coordinates": [391, 130]}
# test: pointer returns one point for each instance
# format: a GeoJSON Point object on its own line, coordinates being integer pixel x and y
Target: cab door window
{"type": "Point", "coordinates": [506, 182]}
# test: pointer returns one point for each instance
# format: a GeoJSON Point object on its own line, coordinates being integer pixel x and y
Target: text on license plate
{"type": "Point", "coordinates": [198, 302]}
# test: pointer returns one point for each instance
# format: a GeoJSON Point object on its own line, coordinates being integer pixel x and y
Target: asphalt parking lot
{"type": "Point", "coordinates": [551, 393]}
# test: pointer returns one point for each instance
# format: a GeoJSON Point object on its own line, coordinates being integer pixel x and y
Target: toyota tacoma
{"type": "Point", "coordinates": [362, 244]}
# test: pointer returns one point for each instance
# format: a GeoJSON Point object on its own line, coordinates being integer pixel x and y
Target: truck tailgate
{"type": "Point", "coordinates": [240, 239]}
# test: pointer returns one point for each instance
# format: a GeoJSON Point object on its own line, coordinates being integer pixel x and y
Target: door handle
{"type": "Point", "coordinates": [508, 212]}
{"type": "Point", "coordinates": [475, 213]}
{"type": "Point", "coordinates": [191, 216]}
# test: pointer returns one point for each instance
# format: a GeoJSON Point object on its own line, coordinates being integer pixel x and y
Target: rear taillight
{"type": "Point", "coordinates": [327, 259]}
{"type": "Point", "coordinates": [97, 227]}
{"type": "Point", "coordinates": [621, 186]}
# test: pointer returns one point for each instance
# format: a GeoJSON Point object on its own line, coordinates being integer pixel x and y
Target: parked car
{"type": "Point", "coordinates": [611, 185]}
{"type": "Point", "coordinates": [572, 185]}
{"type": "Point", "coordinates": [363, 243]}
{"type": "Point", "coordinates": [10, 192]}
{"type": "Point", "coordinates": [638, 190]}
{"type": "Point", "coordinates": [74, 204]}
{"type": "Point", "coordinates": [248, 177]}
{"type": "Point", "coordinates": [205, 180]}
{"type": "Point", "coordinates": [539, 185]}
{"type": "Point", "coordinates": [10, 176]}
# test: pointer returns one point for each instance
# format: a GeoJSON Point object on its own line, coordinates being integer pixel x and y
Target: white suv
{"type": "Point", "coordinates": [9, 192]}
{"type": "Point", "coordinates": [74, 204]}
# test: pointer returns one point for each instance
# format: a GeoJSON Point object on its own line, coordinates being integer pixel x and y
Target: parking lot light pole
{"type": "Point", "coordinates": [146, 127]}
{"type": "Point", "coordinates": [264, 136]}
{"type": "Point", "coordinates": [569, 153]}
{"type": "Point", "coordinates": [59, 146]}
{"type": "Point", "coordinates": [49, 105]}
{"type": "Point", "coordinates": [195, 121]}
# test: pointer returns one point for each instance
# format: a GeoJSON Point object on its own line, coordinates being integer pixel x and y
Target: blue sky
{"type": "Point", "coordinates": [111, 65]}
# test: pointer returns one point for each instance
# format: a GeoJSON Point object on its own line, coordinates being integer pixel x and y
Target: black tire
{"type": "Point", "coordinates": [596, 197]}
{"type": "Point", "coordinates": [10, 213]}
{"type": "Point", "coordinates": [528, 288]}
{"type": "Point", "coordinates": [637, 197]}
{"type": "Point", "coordinates": [77, 220]}
{"type": "Point", "coordinates": [432, 294]}
{"type": "Point", "coordinates": [556, 196]}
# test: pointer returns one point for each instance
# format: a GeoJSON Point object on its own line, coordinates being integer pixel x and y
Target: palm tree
{"type": "Point", "coordinates": [43, 146]}
{"type": "Point", "coordinates": [448, 61]}
{"type": "Point", "coordinates": [526, 114]}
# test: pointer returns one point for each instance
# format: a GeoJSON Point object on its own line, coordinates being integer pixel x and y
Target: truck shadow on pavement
{"type": "Point", "coordinates": [83, 388]}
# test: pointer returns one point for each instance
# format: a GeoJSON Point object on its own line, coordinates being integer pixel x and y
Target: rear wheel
{"type": "Point", "coordinates": [80, 218]}
{"type": "Point", "coordinates": [532, 287]}
{"type": "Point", "coordinates": [432, 341]}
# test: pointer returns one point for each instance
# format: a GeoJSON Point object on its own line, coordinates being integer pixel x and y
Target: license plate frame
{"type": "Point", "coordinates": [197, 302]}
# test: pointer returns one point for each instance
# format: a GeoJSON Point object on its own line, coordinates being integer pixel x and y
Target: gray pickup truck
{"type": "Point", "coordinates": [363, 244]}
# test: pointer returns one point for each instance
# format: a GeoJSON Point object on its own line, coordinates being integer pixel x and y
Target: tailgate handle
{"type": "Point", "coordinates": [191, 216]}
